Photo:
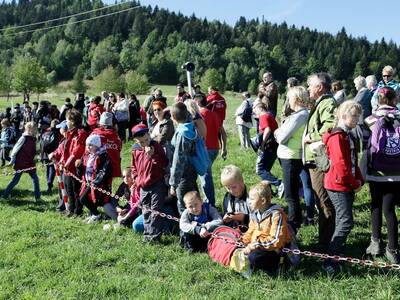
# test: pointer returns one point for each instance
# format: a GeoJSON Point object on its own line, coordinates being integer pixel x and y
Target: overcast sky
{"type": "Point", "coordinates": [372, 19]}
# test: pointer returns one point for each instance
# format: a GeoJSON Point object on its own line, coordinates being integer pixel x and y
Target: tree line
{"type": "Point", "coordinates": [155, 42]}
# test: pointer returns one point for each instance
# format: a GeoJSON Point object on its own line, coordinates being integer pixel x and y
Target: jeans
{"type": "Point", "coordinates": [15, 180]}
{"type": "Point", "coordinates": [265, 161]}
{"type": "Point", "coordinates": [138, 223]}
{"type": "Point", "coordinates": [343, 204]}
{"type": "Point", "coordinates": [308, 193]}
{"type": "Point", "coordinates": [291, 171]}
{"type": "Point", "coordinates": [206, 180]}
{"type": "Point", "coordinates": [50, 175]}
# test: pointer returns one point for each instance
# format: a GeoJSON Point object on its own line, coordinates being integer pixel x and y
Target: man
{"type": "Point", "coordinates": [321, 118]}
{"type": "Point", "coordinates": [212, 143]}
{"type": "Point", "coordinates": [217, 104]}
{"type": "Point", "coordinates": [387, 80]}
{"type": "Point", "coordinates": [182, 94]}
{"type": "Point", "coordinates": [268, 93]}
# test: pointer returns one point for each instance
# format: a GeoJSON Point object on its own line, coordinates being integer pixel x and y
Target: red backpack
{"type": "Point", "coordinates": [222, 244]}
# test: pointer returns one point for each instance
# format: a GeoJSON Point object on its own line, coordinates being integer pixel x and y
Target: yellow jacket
{"type": "Point", "coordinates": [269, 230]}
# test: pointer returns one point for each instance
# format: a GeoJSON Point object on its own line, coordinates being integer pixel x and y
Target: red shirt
{"type": "Point", "coordinates": [213, 124]}
{"type": "Point", "coordinates": [267, 120]}
{"type": "Point", "coordinates": [217, 104]}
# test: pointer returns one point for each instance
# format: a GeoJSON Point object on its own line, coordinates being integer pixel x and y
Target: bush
{"type": "Point", "coordinates": [109, 80]}
{"type": "Point", "coordinates": [136, 83]}
{"type": "Point", "coordinates": [213, 77]}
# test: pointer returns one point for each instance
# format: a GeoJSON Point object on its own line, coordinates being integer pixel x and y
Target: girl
{"type": "Point", "coordinates": [343, 178]}
{"type": "Point", "coordinates": [289, 137]}
{"type": "Point", "coordinates": [22, 157]}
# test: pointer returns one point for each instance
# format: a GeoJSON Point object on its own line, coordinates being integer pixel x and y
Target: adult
{"type": "Point", "coordinates": [43, 117]}
{"type": "Point", "coordinates": [212, 123]}
{"type": "Point", "coordinates": [320, 120]}
{"type": "Point", "coordinates": [371, 83]}
{"type": "Point", "coordinates": [80, 102]}
{"type": "Point", "coordinates": [195, 116]}
{"type": "Point", "coordinates": [268, 93]}
{"type": "Point", "coordinates": [16, 120]}
{"type": "Point", "coordinates": [182, 95]}
{"type": "Point", "coordinates": [134, 113]}
{"type": "Point", "coordinates": [363, 96]}
{"type": "Point", "coordinates": [162, 129]}
{"type": "Point", "coordinates": [217, 104]}
{"type": "Point", "coordinates": [121, 112]}
{"type": "Point", "coordinates": [64, 108]}
{"type": "Point", "coordinates": [148, 103]}
{"type": "Point", "coordinates": [286, 111]}
{"type": "Point", "coordinates": [387, 80]}
{"type": "Point", "coordinates": [339, 92]}
{"type": "Point", "coordinates": [244, 125]}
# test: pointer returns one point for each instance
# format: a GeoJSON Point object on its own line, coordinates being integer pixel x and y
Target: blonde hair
{"type": "Point", "coordinates": [190, 196]}
{"type": "Point", "coordinates": [30, 127]}
{"type": "Point", "coordinates": [5, 123]}
{"type": "Point", "coordinates": [388, 69]}
{"type": "Point", "coordinates": [300, 94]}
{"type": "Point", "coordinates": [192, 107]}
{"type": "Point", "coordinates": [262, 190]}
{"type": "Point", "coordinates": [231, 173]}
{"type": "Point", "coordinates": [346, 107]}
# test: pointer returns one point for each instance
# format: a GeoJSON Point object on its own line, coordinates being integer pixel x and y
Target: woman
{"type": "Point", "coordinates": [162, 128]}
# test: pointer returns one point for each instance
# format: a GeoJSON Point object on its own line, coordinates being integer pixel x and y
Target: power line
{"type": "Point", "coordinates": [76, 22]}
{"type": "Point", "coordinates": [66, 17]}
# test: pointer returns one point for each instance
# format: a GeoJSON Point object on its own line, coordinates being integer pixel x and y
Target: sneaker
{"type": "Point", "coordinates": [281, 190]}
{"type": "Point", "coordinates": [331, 267]}
{"type": "Point", "coordinates": [392, 256]}
{"type": "Point", "coordinates": [375, 247]}
{"type": "Point", "coordinates": [93, 219]}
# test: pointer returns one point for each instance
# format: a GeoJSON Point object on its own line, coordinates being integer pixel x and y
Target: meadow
{"type": "Point", "coordinates": [45, 255]}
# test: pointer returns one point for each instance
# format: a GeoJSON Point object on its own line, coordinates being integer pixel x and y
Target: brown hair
{"type": "Point", "coordinates": [75, 116]}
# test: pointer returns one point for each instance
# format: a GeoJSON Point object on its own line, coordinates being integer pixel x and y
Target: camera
{"type": "Point", "coordinates": [189, 66]}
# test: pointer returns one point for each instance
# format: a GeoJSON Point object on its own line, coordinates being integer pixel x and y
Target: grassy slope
{"type": "Point", "coordinates": [47, 256]}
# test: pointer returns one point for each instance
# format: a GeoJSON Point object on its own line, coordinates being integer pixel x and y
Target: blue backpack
{"type": "Point", "coordinates": [199, 156]}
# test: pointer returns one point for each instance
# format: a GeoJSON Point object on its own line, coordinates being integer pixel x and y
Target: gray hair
{"type": "Point", "coordinates": [323, 78]}
{"type": "Point", "coordinates": [360, 82]}
{"type": "Point", "coordinates": [371, 79]}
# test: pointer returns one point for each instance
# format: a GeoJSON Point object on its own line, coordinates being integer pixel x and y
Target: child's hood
{"type": "Point", "coordinates": [187, 130]}
{"type": "Point", "coordinates": [269, 211]}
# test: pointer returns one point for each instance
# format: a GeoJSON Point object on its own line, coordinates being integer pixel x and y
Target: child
{"type": "Point", "coordinates": [22, 157]}
{"type": "Point", "coordinates": [7, 141]}
{"type": "Point", "coordinates": [183, 174]}
{"type": "Point", "coordinates": [236, 211]}
{"type": "Point", "coordinates": [148, 170]}
{"type": "Point", "coordinates": [268, 230]}
{"type": "Point", "coordinates": [97, 171]}
{"type": "Point", "coordinates": [344, 177]}
{"type": "Point", "coordinates": [266, 146]}
{"type": "Point", "coordinates": [197, 222]}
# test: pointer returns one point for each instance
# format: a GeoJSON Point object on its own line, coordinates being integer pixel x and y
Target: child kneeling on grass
{"type": "Point", "coordinates": [97, 171]}
{"type": "Point", "coordinates": [268, 230]}
{"type": "Point", "coordinates": [22, 157]}
{"type": "Point", "coordinates": [197, 222]}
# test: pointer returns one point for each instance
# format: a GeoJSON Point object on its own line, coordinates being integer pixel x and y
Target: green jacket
{"type": "Point", "coordinates": [321, 118]}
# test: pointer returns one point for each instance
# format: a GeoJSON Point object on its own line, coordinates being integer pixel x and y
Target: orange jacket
{"type": "Point", "coordinates": [271, 232]}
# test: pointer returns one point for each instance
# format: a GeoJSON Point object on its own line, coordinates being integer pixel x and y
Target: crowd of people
{"type": "Point", "coordinates": [317, 143]}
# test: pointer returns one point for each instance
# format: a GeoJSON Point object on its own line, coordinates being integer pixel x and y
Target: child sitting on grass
{"type": "Point", "coordinates": [268, 230]}
{"type": "Point", "coordinates": [22, 157]}
{"type": "Point", "coordinates": [197, 222]}
{"type": "Point", "coordinates": [236, 211]}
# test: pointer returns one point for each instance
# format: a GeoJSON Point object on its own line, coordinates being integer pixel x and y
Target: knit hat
{"type": "Point", "coordinates": [94, 140]}
{"type": "Point", "coordinates": [106, 119]}
{"type": "Point", "coordinates": [160, 104]}
{"type": "Point", "coordinates": [139, 130]}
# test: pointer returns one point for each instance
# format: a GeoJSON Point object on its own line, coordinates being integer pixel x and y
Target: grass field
{"type": "Point", "coordinates": [47, 256]}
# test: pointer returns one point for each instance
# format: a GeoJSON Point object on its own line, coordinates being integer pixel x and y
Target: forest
{"type": "Point", "coordinates": [155, 42]}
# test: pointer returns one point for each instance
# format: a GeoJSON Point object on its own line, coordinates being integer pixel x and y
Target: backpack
{"type": "Point", "coordinates": [385, 145]}
{"type": "Point", "coordinates": [222, 244]}
{"type": "Point", "coordinates": [49, 141]}
{"type": "Point", "coordinates": [199, 156]}
{"type": "Point", "coordinates": [247, 113]}
{"type": "Point", "coordinates": [321, 159]}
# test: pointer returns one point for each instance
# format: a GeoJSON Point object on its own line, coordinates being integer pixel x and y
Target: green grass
{"type": "Point", "coordinates": [47, 256]}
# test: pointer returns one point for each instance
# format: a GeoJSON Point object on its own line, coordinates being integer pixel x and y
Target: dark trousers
{"type": "Point", "coordinates": [187, 184]}
{"type": "Point", "coordinates": [153, 198]}
{"type": "Point", "coordinates": [50, 175]}
{"type": "Point", "coordinates": [267, 261]}
{"type": "Point", "coordinates": [326, 211]}
{"type": "Point", "coordinates": [72, 187]}
{"type": "Point", "coordinates": [291, 173]}
{"type": "Point", "coordinates": [122, 125]}
{"type": "Point", "coordinates": [343, 203]}
{"type": "Point", "coordinates": [193, 242]}
{"type": "Point", "coordinates": [385, 196]}
{"type": "Point", "coordinates": [85, 200]}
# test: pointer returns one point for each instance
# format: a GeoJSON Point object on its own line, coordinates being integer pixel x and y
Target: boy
{"type": "Point", "coordinates": [197, 222]}
{"type": "Point", "coordinates": [268, 230]}
{"type": "Point", "coordinates": [236, 211]}
{"type": "Point", "coordinates": [148, 170]}
{"type": "Point", "coordinates": [183, 174]}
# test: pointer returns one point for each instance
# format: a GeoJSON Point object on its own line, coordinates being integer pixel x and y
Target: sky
{"type": "Point", "coordinates": [360, 18]}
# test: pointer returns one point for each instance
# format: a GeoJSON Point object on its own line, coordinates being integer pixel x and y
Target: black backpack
{"type": "Point", "coordinates": [247, 113]}
{"type": "Point", "coordinates": [48, 141]}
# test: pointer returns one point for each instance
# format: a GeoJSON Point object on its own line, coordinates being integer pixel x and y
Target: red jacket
{"type": "Point", "coordinates": [113, 144]}
{"type": "Point", "coordinates": [217, 104]}
{"type": "Point", "coordinates": [147, 170]}
{"type": "Point", "coordinates": [71, 149]}
{"type": "Point", "coordinates": [213, 124]}
{"type": "Point", "coordinates": [340, 177]}
{"type": "Point", "coordinates": [94, 113]}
